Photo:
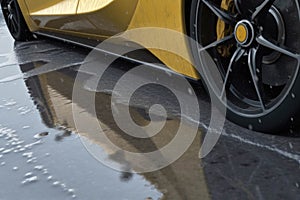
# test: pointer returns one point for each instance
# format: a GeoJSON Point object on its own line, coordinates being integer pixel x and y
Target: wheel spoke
{"type": "Point", "coordinates": [11, 3]}
{"type": "Point", "coordinates": [13, 24]}
{"type": "Point", "coordinates": [237, 6]}
{"type": "Point", "coordinates": [263, 9]}
{"type": "Point", "coordinates": [252, 58]}
{"type": "Point", "coordinates": [217, 43]}
{"type": "Point", "coordinates": [236, 57]}
{"type": "Point", "coordinates": [222, 14]}
{"type": "Point", "coordinates": [14, 20]}
{"type": "Point", "coordinates": [264, 42]}
{"type": "Point", "coordinates": [9, 23]}
{"type": "Point", "coordinates": [298, 8]}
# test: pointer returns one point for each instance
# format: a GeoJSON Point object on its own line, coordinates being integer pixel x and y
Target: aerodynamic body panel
{"type": "Point", "coordinates": [100, 19]}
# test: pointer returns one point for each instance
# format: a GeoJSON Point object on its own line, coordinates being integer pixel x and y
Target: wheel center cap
{"type": "Point", "coordinates": [244, 33]}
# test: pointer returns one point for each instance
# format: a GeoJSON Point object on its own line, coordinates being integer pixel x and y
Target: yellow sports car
{"type": "Point", "coordinates": [255, 44]}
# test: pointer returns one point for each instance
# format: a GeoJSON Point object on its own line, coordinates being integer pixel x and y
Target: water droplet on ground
{"type": "Point", "coordinates": [39, 167]}
{"type": "Point", "coordinates": [32, 160]}
{"type": "Point", "coordinates": [28, 154]}
{"type": "Point", "coordinates": [30, 180]}
{"type": "Point", "coordinates": [45, 171]}
{"type": "Point", "coordinates": [10, 103]}
{"type": "Point", "coordinates": [8, 151]}
{"type": "Point", "coordinates": [56, 183]}
{"type": "Point", "coordinates": [41, 135]}
{"type": "Point", "coordinates": [71, 190]}
{"type": "Point", "coordinates": [29, 174]}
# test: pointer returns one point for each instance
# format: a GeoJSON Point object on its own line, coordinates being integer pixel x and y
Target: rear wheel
{"type": "Point", "coordinates": [255, 46]}
{"type": "Point", "coordinates": [15, 20]}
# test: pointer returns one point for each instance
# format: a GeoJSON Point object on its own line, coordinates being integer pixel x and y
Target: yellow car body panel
{"type": "Point", "coordinates": [52, 7]}
{"type": "Point", "coordinates": [100, 19]}
{"type": "Point", "coordinates": [167, 14]}
{"type": "Point", "coordinates": [106, 17]}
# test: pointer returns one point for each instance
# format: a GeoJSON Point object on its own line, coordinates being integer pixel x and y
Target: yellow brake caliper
{"type": "Point", "coordinates": [224, 30]}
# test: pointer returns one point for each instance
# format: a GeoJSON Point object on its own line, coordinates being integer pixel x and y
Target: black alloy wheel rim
{"type": "Point", "coordinates": [268, 43]}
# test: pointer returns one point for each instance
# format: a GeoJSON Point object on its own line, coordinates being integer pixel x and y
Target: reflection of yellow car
{"type": "Point", "coordinates": [55, 111]}
{"type": "Point", "coordinates": [254, 43]}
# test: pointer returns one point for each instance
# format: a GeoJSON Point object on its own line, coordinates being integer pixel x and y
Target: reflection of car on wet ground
{"type": "Point", "coordinates": [253, 44]}
{"type": "Point", "coordinates": [233, 170]}
{"type": "Point", "coordinates": [55, 106]}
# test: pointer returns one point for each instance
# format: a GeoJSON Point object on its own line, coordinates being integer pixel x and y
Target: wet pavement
{"type": "Point", "coordinates": [43, 156]}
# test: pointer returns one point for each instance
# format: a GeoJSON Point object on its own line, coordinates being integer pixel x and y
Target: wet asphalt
{"type": "Point", "coordinates": [42, 155]}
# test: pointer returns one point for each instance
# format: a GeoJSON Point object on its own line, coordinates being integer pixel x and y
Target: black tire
{"type": "Point", "coordinates": [15, 20]}
{"type": "Point", "coordinates": [262, 82]}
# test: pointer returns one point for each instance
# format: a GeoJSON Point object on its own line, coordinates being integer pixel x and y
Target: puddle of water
{"type": "Point", "coordinates": [26, 154]}
{"type": "Point", "coordinates": [41, 151]}
{"type": "Point", "coordinates": [55, 107]}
